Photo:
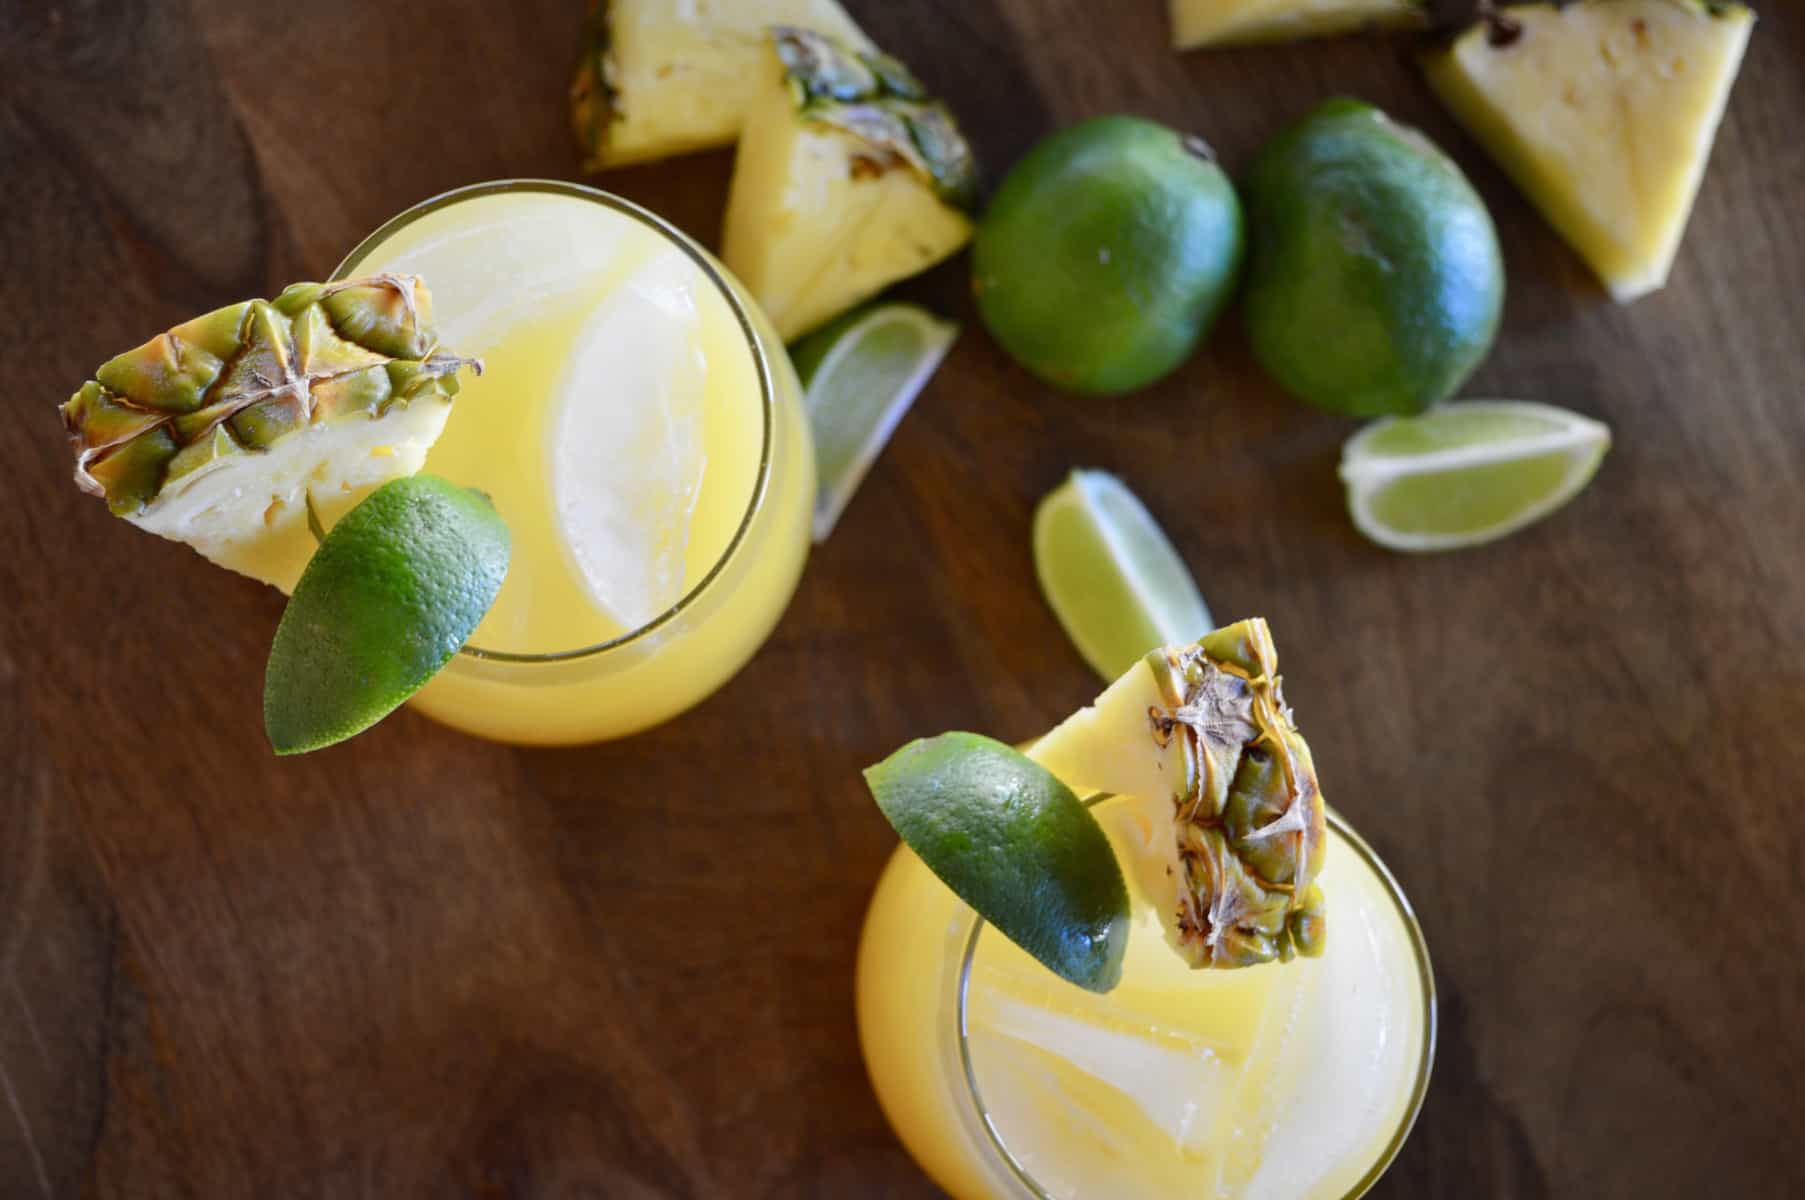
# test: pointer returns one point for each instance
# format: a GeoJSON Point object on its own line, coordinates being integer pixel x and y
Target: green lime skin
{"type": "Point", "coordinates": [393, 591]}
{"type": "Point", "coordinates": [1375, 283]}
{"type": "Point", "coordinates": [1014, 843]}
{"type": "Point", "coordinates": [1107, 254]}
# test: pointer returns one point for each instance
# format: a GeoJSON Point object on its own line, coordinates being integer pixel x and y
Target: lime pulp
{"type": "Point", "coordinates": [1111, 575]}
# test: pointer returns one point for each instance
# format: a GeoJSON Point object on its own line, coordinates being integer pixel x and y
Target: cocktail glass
{"type": "Point", "coordinates": [640, 429]}
{"type": "Point", "coordinates": [1295, 1081]}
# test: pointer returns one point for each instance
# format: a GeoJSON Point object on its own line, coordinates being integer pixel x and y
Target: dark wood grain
{"type": "Point", "coordinates": [420, 965]}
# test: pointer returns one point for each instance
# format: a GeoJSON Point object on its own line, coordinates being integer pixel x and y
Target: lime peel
{"type": "Point", "coordinates": [1015, 844]}
{"type": "Point", "coordinates": [394, 590]}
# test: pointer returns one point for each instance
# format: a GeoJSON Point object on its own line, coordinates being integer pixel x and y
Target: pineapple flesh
{"type": "Point", "coordinates": [1229, 816]}
{"type": "Point", "coordinates": [666, 77]}
{"type": "Point", "coordinates": [1604, 112]}
{"type": "Point", "coordinates": [849, 178]}
{"type": "Point", "coordinates": [1227, 22]}
{"type": "Point", "coordinates": [217, 432]}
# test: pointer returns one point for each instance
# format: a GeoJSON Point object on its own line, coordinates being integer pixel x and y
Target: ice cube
{"type": "Point", "coordinates": [489, 273]}
{"type": "Point", "coordinates": [1178, 1082]}
{"type": "Point", "coordinates": [626, 441]}
{"type": "Point", "coordinates": [1169, 1078]}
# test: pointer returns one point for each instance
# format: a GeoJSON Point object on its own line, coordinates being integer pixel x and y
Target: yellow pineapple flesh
{"type": "Point", "coordinates": [1604, 112]}
{"type": "Point", "coordinates": [1226, 22]}
{"type": "Point", "coordinates": [848, 178]}
{"type": "Point", "coordinates": [666, 77]}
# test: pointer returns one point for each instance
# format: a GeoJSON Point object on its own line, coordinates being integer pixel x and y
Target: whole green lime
{"type": "Point", "coordinates": [1107, 254]}
{"type": "Point", "coordinates": [1375, 282]}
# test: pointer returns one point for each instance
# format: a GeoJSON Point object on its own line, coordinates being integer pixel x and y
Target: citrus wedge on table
{"type": "Point", "coordinates": [860, 375]}
{"type": "Point", "coordinates": [1467, 473]}
{"type": "Point", "coordinates": [1111, 575]}
{"type": "Point", "coordinates": [390, 596]}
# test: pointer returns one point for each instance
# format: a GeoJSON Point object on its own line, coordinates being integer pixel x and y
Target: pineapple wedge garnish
{"type": "Point", "coordinates": [665, 77]}
{"type": "Point", "coordinates": [1227, 22]}
{"type": "Point", "coordinates": [216, 432]}
{"type": "Point", "coordinates": [1229, 823]}
{"type": "Point", "coordinates": [849, 178]}
{"type": "Point", "coordinates": [1604, 112]}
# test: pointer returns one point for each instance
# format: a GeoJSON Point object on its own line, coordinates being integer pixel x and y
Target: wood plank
{"type": "Point", "coordinates": [420, 965]}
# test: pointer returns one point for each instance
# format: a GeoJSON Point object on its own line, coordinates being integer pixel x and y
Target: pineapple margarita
{"type": "Point", "coordinates": [635, 469]}
{"type": "Point", "coordinates": [639, 428]}
{"type": "Point", "coordinates": [1248, 1013]}
{"type": "Point", "coordinates": [625, 420]}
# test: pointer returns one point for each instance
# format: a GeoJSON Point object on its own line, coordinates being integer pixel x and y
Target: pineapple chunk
{"type": "Point", "coordinates": [1604, 113]}
{"type": "Point", "coordinates": [849, 178]}
{"type": "Point", "coordinates": [1224, 827]}
{"type": "Point", "coordinates": [1106, 747]}
{"type": "Point", "coordinates": [250, 513]}
{"type": "Point", "coordinates": [220, 431]}
{"type": "Point", "coordinates": [666, 77]}
{"type": "Point", "coordinates": [1219, 22]}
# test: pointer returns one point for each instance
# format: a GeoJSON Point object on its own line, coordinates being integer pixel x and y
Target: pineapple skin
{"type": "Point", "coordinates": [1230, 22]}
{"type": "Point", "coordinates": [819, 218]}
{"type": "Point", "coordinates": [1175, 751]}
{"type": "Point", "coordinates": [1550, 108]}
{"type": "Point", "coordinates": [218, 431]}
{"type": "Point", "coordinates": [659, 78]}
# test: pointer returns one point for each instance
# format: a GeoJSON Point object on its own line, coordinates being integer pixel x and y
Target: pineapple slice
{"type": "Point", "coordinates": [216, 432]}
{"type": "Point", "coordinates": [1228, 827]}
{"type": "Point", "coordinates": [1226, 22]}
{"type": "Point", "coordinates": [666, 77]}
{"type": "Point", "coordinates": [1604, 112]}
{"type": "Point", "coordinates": [849, 178]}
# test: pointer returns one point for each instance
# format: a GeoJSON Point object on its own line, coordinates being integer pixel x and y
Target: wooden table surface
{"type": "Point", "coordinates": [421, 965]}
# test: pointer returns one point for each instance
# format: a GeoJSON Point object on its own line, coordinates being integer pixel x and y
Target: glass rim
{"type": "Point", "coordinates": [1419, 1088]}
{"type": "Point", "coordinates": [767, 385]}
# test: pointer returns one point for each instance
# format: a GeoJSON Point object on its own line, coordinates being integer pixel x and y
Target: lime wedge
{"type": "Point", "coordinates": [1468, 473]}
{"type": "Point", "coordinates": [1014, 843]}
{"type": "Point", "coordinates": [860, 375]}
{"type": "Point", "coordinates": [1110, 574]}
{"type": "Point", "coordinates": [388, 598]}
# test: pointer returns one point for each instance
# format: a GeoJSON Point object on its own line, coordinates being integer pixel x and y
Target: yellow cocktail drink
{"type": "Point", "coordinates": [637, 425]}
{"type": "Point", "coordinates": [1290, 1082]}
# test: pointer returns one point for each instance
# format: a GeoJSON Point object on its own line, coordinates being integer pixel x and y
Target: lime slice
{"type": "Point", "coordinates": [1110, 574]}
{"type": "Point", "coordinates": [860, 375]}
{"type": "Point", "coordinates": [388, 598]}
{"type": "Point", "coordinates": [1014, 843]}
{"type": "Point", "coordinates": [1467, 473]}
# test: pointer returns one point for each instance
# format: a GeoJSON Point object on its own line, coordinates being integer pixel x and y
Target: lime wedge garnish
{"type": "Point", "coordinates": [1016, 845]}
{"type": "Point", "coordinates": [392, 592]}
{"type": "Point", "coordinates": [1110, 574]}
{"type": "Point", "coordinates": [1467, 473]}
{"type": "Point", "coordinates": [860, 375]}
